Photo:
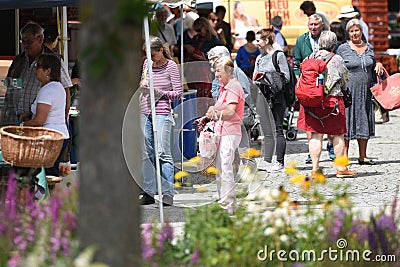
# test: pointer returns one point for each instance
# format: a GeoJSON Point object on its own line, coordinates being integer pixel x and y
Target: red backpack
{"type": "Point", "coordinates": [310, 86]}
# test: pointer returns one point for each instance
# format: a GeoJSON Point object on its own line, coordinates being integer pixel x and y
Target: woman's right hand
{"type": "Point", "coordinates": [144, 86]}
{"type": "Point", "coordinates": [211, 113]}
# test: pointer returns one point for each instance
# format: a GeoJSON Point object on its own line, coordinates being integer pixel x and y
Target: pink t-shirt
{"type": "Point", "coordinates": [232, 92]}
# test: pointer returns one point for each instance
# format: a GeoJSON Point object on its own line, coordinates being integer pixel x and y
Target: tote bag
{"type": "Point", "coordinates": [387, 92]}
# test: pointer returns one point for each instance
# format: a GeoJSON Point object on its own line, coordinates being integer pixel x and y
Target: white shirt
{"type": "Point", "coordinates": [53, 94]}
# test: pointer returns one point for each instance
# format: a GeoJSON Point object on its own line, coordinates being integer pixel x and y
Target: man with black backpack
{"type": "Point", "coordinates": [305, 45]}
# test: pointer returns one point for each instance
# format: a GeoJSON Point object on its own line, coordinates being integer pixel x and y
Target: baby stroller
{"type": "Point", "coordinates": [251, 121]}
{"type": "Point", "coordinates": [291, 131]}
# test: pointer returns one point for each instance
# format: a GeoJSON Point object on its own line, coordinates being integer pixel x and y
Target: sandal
{"type": "Point", "coordinates": [366, 161]}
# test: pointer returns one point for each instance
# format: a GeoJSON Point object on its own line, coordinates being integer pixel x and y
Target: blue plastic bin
{"type": "Point", "coordinates": [185, 128]}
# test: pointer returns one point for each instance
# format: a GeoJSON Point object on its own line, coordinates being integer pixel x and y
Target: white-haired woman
{"type": "Point", "coordinates": [230, 108]}
{"type": "Point", "coordinates": [359, 58]}
{"type": "Point", "coordinates": [329, 122]}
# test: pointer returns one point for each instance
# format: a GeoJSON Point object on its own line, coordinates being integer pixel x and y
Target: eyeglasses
{"type": "Point", "coordinates": [29, 41]}
{"type": "Point", "coordinates": [37, 65]}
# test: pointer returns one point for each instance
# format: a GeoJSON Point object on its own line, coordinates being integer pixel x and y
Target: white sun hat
{"type": "Point", "coordinates": [347, 12]}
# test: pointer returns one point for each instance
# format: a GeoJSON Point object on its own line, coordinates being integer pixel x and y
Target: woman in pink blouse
{"type": "Point", "coordinates": [229, 107]}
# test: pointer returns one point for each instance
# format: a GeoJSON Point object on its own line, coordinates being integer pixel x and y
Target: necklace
{"type": "Point", "coordinates": [361, 44]}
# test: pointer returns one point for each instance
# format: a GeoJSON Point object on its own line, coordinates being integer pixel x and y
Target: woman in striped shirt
{"type": "Point", "coordinates": [167, 87]}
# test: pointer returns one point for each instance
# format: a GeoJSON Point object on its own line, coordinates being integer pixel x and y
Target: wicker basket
{"type": "Point", "coordinates": [32, 147]}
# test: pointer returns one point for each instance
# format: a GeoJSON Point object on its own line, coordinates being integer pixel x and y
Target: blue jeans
{"type": "Point", "coordinates": [164, 128]}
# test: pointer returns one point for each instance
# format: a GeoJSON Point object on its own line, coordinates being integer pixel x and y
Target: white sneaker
{"type": "Point", "coordinates": [264, 165]}
{"type": "Point", "coordinates": [276, 167]}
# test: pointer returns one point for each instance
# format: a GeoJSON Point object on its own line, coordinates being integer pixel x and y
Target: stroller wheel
{"type": "Point", "coordinates": [291, 135]}
{"type": "Point", "coordinates": [254, 134]}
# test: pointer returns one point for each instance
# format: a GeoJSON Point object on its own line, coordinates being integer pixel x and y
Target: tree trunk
{"type": "Point", "coordinates": [109, 214]}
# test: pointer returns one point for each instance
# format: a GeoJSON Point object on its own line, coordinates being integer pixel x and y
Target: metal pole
{"type": "Point", "coordinates": [153, 115]}
{"type": "Point", "coordinates": [16, 31]}
{"type": "Point", "coordinates": [182, 97]}
{"type": "Point", "coordinates": [65, 35]}
{"type": "Point", "coordinates": [269, 12]}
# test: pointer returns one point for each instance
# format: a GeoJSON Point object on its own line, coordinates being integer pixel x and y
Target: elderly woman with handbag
{"type": "Point", "coordinates": [359, 58]}
{"type": "Point", "coordinates": [229, 109]}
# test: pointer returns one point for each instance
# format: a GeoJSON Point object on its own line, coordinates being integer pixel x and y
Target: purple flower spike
{"type": "Point", "coordinates": [387, 222]}
{"type": "Point", "coordinates": [337, 225]}
{"type": "Point", "coordinates": [297, 265]}
{"type": "Point", "coordinates": [195, 257]}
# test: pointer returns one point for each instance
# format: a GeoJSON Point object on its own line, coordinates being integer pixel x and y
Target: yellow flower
{"type": "Point", "coordinates": [291, 171]}
{"type": "Point", "coordinates": [177, 184]}
{"type": "Point", "coordinates": [250, 153]}
{"type": "Point", "coordinates": [212, 170]}
{"type": "Point", "coordinates": [342, 161]}
{"type": "Point", "coordinates": [306, 184]}
{"type": "Point", "coordinates": [319, 177]}
{"type": "Point", "coordinates": [201, 189]}
{"type": "Point", "coordinates": [328, 205]}
{"type": "Point", "coordinates": [343, 201]}
{"type": "Point", "coordinates": [291, 164]}
{"type": "Point", "coordinates": [180, 175]}
{"type": "Point", "coordinates": [299, 178]}
{"type": "Point", "coordinates": [195, 159]}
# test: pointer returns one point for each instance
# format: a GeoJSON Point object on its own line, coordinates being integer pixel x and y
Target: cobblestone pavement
{"type": "Point", "coordinates": [371, 189]}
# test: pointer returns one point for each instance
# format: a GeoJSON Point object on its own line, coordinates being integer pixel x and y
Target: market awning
{"type": "Point", "coordinates": [21, 4]}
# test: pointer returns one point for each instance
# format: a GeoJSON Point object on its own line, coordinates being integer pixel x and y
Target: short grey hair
{"type": "Point", "coordinates": [31, 28]}
{"type": "Point", "coordinates": [277, 21]}
{"type": "Point", "coordinates": [327, 41]}
{"type": "Point", "coordinates": [218, 51]}
{"type": "Point", "coordinates": [353, 22]}
{"type": "Point", "coordinates": [316, 17]}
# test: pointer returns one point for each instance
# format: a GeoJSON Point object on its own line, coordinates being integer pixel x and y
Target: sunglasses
{"type": "Point", "coordinates": [214, 20]}
{"type": "Point", "coordinates": [198, 30]}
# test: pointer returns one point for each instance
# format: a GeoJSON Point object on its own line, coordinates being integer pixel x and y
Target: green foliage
{"type": "Point", "coordinates": [111, 48]}
{"type": "Point", "coordinates": [268, 222]}
{"type": "Point", "coordinates": [132, 12]}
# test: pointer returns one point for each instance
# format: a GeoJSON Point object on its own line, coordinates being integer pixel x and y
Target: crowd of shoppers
{"type": "Point", "coordinates": [208, 41]}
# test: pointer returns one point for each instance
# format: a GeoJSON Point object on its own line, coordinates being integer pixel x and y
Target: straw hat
{"type": "Point", "coordinates": [347, 12]}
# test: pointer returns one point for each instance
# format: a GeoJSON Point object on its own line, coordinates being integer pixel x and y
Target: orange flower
{"type": "Point", "coordinates": [306, 184]}
{"type": "Point", "coordinates": [318, 176]}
